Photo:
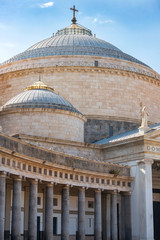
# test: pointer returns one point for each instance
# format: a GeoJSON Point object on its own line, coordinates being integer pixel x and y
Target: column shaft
{"type": "Point", "coordinates": [127, 216]}
{"type": "Point", "coordinates": [81, 214]}
{"type": "Point", "coordinates": [2, 204]}
{"type": "Point", "coordinates": [108, 225]}
{"type": "Point", "coordinates": [49, 213]}
{"type": "Point", "coordinates": [114, 229]}
{"type": "Point", "coordinates": [65, 214]}
{"type": "Point", "coordinates": [97, 216]}
{"type": "Point", "coordinates": [32, 219]}
{"type": "Point", "coordinates": [16, 210]}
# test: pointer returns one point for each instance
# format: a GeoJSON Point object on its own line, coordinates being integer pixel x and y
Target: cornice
{"type": "Point", "coordinates": [25, 68]}
{"type": "Point", "coordinates": [48, 110]}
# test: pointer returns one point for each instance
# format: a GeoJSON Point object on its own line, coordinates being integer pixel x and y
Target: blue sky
{"type": "Point", "coordinates": [131, 25]}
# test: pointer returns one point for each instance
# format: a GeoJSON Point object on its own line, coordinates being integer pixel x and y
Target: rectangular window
{"type": "Point", "coordinates": [34, 169]}
{"type": "Point", "coordinates": [118, 183]}
{"type": "Point", "coordinates": [8, 162]}
{"type": "Point", "coordinates": [81, 178]}
{"type": "Point", "coordinates": [129, 184]}
{"type": "Point", "coordinates": [110, 131]}
{"type": "Point", "coordinates": [90, 204]}
{"type": "Point", "coordinates": [92, 180]}
{"type": "Point", "coordinates": [38, 200]}
{"type": "Point", "coordinates": [29, 168]}
{"type": "Point", "coordinates": [96, 63]}
{"type": "Point", "coordinates": [113, 182]}
{"type": "Point", "coordinates": [45, 171]}
{"type": "Point", "coordinates": [61, 175]}
{"type": "Point", "coordinates": [102, 181]}
{"type": "Point", "coordinates": [124, 184]}
{"type": "Point", "coordinates": [24, 166]}
{"type": "Point", "coordinates": [87, 179]}
{"type": "Point", "coordinates": [50, 172]}
{"type": "Point", "coordinates": [76, 177]}
{"type": "Point", "coordinates": [108, 181]}
{"type": "Point", "coordinates": [55, 173]}
{"type": "Point", "coordinates": [97, 180]}
{"type": "Point", "coordinates": [66, 175]}
{"type": "Point", "coordinates": [40, 170]}
{"type": "Point", "coordinates": [55, 202]}
{"type": "Point", "coordinates": [71, 176]}
{"type": "Point", "coordinates": [3, 160]}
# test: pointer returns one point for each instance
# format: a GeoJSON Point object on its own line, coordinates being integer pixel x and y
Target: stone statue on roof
{"type": "Point", "coordinates": [144, 115]}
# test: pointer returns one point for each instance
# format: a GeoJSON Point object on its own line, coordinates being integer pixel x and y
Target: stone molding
{"type": "Point", "coordinates": [48, 110]}
{"type": "Point", "coordinates": [134, 70]}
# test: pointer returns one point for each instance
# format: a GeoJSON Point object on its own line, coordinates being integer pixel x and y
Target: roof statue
{"type": "Point", "coordinates": [144, 115]}
{"type": "Point", "coordinates": [144, 122]}
{"type": "Point", "coordinates": [74, 20]}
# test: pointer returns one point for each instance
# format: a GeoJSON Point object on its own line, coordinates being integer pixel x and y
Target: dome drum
{"type": "Point", "coordinates": [53, 123]}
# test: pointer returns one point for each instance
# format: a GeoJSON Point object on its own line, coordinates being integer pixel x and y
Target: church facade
{"type": "Point", "coordinates": [77, 159]}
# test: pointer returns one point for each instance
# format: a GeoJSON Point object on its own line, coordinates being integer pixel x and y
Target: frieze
{"type": "Point", "coordinates": [74, 63]}
{"type": "Point", "coordinates": [152, 149]}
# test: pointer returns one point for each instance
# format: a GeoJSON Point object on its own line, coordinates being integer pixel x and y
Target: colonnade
{"type": "Point", "coordinates": [110, 213]}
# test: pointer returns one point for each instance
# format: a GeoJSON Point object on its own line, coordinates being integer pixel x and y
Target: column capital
{"type": "Point", "coordinates": [66, 187]}
{"type": "Point", "coordinates": [126, 193]}
{"type": "Point", "coordinates": [145, 161]}
{"type": "Point", "coordinates": [33, 181]}
{"type": "Point", "coordinates": [81, 189]}
{"type": "Point", "coordinates": [17, 178]}
{"type": "Point", "coordinates": [51, 184]}
{"type": "Point", "coordinates": [3, 174]}
{"type": "Point", "coordinates": [114, 192]}
{"type": "Point", "coordinates": [98, 190]}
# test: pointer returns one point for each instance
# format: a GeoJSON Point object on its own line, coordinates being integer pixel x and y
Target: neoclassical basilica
{"type": "Point", "coordinates": [79, 142]}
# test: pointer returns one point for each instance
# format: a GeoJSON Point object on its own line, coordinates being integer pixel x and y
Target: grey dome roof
{"type": "Point", "coordinates": [73, 40]}
{"type": "Point", "coordinates": [39, 97]}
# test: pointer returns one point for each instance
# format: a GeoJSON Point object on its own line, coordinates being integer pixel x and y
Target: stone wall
{"type": "Point", "coordinates": [112, 91]}
{"type": "Point", "coordinates": [43, 122]}
{"type": "Point", "coordinates": [95, 129]}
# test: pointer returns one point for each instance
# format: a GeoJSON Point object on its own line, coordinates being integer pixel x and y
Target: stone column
{"type": "Point", "coordinates": [141, 200]}
{"type": "Point", "coordinates": [65, 214]}
{"type": "Point", "coordinates": [81, 214]}
{"type": "Point", "coordinates": [97, 216]}
{"type": "Point", "coordinates": [8, 211]}
{"type": "Point", "coordinates": [114, 216]}
{"type": "Point", "coordinates": [26, 212]}
{"type": "Point", "coordinates": [16, 210]}
{"type": "Point", "coordinates": [126, 215]}
{"type": "Point", "coordinates": [49, 212]}
{"type": "Point", "coordinates": [108, 220]}
{"type": "Point", "coordinates": [32, 218]}
{"type": "Point", "coordinates": [145, 200]}
{"type": "Point", "coordinates": [2, 203]}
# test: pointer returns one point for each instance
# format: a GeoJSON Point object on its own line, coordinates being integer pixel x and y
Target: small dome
{"type": "Point", "coordinates": [39, 95]}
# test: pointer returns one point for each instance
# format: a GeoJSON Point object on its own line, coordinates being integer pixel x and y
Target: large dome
{"type": "Point", "coordinates": [39, 95]}
{"type": "Point", "coordinates": [73, 40]}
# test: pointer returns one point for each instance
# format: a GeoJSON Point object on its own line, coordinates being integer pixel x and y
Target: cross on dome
{"type": "Point", "coordinates": [74, 20]}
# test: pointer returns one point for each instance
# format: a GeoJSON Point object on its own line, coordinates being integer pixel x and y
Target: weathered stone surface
{"type": "Point", "coordinates": [95, 129]}
{"type": "Point", "coordinates": [60, 159]}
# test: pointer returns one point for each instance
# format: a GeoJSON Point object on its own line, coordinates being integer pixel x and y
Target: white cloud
{"type": "Point", "coordinates": [10, 45]}
{"type": "Point", "coordinates": [46, 5]}
{"type": "Point", "coordinates": [96, 20]}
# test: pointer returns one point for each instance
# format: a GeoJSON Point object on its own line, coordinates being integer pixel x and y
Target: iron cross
{"type": "Point", "coordinates": [74, 10]}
